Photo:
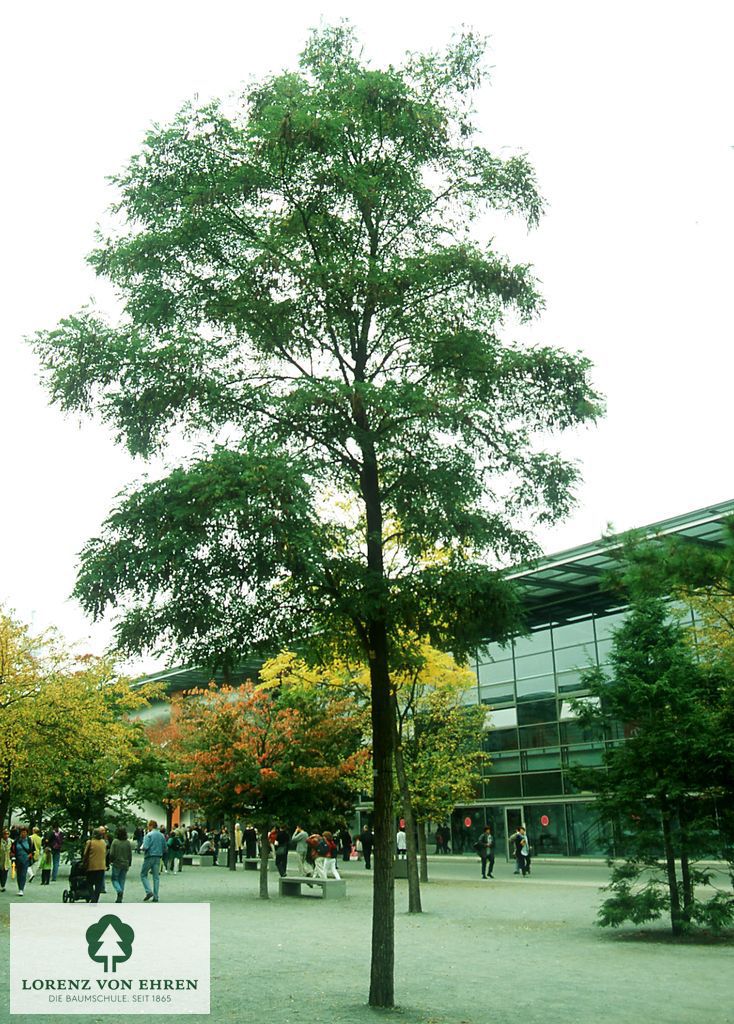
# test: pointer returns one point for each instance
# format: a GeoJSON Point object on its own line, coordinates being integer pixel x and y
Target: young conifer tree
{"type": "Point", "coordinates": [303, 295]}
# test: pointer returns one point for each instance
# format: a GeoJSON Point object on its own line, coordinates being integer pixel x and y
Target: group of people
{"type": "Point", "coordinates": [519, 846]}
{"type": "Point", "coordinates": [23, 852]}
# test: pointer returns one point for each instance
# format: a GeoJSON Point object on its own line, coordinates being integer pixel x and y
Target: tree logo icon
{"type": "Point", "coordinates": [109, 942]}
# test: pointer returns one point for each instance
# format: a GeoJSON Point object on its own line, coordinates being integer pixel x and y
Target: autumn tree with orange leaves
{"type": "Point", "coordinates": [281, 755]}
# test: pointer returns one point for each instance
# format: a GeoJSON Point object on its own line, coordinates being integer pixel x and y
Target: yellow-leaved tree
{"type": "Point", "coordinates": [438, 734]}
{"type": "Point", "coordinates": [69, 738]}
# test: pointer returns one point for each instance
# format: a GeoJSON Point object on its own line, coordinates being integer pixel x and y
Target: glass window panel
{"type": "Point", "coordinates": [498, 693]}
{"type": "Point", "coordinates": [603, 648]}
{"type": "Point", "coordinates": [539, 736]}
{"type": "Point", "coordinates": [575, 657]}
{"type": "Point", "coordinates": [588, 836]}
{"type": "Point", "coordinates": [503, 764]}
{"type": "Point", "coordinates": [500, 739]}
{"type": "Point", "coordinates": [570, 786]}
{"type": "Point", "coordinates": [542, 760]}
{"type": "Point", "coordinates": [533, 665]}
{"type": "Point", "coordinates": [538, 711]}
{"type": "Point", "coordinates": [549, 838]}
{"type": "Point", "coordinates": [573, 633]}
{"type": "Point", "coordinates": [542, 784]}
{"type": "Point", "coordinates": [504, 718]}
{"type": "Point", "coordinates": [494, 652]}
{"type": "Point", "coordinates": [496, 672]}
{"type": "Point", "coordinates": [586, 757]}
{"type": "Point", "coordinates": [568, 682]}
{"type": "Point", "coordinates": [532, 644]}
{"type": "Point", "coordinates": [502, 786]}
{"type": "Point", "coordinates": [575, 732]}
{"type": "Point", "coordinates": [606, 624]}
{"type": "Point", "coordinates": [566, 710]}
{"type": "Point", "coordinates": [535, 688]}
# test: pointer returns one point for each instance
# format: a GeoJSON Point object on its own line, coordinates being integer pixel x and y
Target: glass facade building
{"type": "Point", "coordinates": [535, 737]}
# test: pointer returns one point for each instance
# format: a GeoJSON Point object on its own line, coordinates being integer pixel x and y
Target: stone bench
{"type": "Point", "coordinates": [194, 860]}
{"type": "Point", "coordinates": [331, 888]}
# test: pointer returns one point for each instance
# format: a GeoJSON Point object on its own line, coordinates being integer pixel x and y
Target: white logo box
{"type": "Point", "coordinates": [143, 959]}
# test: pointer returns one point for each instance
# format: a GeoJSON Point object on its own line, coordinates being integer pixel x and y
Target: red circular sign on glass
{"type": "Point", "coordinates": [467, 822]}
{"type": "Point", "coordinates": [544, 820]}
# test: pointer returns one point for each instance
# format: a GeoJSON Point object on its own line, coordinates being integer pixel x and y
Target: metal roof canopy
{"type": "Point", "coordinates": [557, 588]}
{"type": "Point", "coordinates": [569, 584]}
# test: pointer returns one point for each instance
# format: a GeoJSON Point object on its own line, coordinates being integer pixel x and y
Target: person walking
{"type": "Point", "coordinates": [45, 864]}
{"type": "Point", "coordinates": [524, 852]}
{"type": "Point", "coordinates": [154, 847]}
{"type": "Point", "coordinates": [121, 859]}
{"type": "Point", "coordinates": [345, 841]}
{"type": "Point", "coordinates": [250, 837]}
{"type": "Point", "coordinates": [56, 841]}
{"type": "Point", "coordinates": [367, 840]}
{"type": "Point", "coordinates": [21, 854]}
{"type": "Point", "coordinates": [5, 862]}
{"type": "Point", "coordinates": [485, 849]}
{"type": "Point", "coordinates": [516, 843]}
{"type": "Point", "coordinates": [35, 837]}
{"type": "Point", "coordinates": [238, 842]}
{"type": "Point", "coordinates": [94, 862]}
{"type": "Point", "coordinates": [401, 841]}
{"type": "Point", "coordinates": [300, 838]}
{"type": "Point", "coordinates": [329, 865]}
{"type": "Point", "coordinates": [282, 840]}
{"type": "Point", "coordinates": [175, 846]}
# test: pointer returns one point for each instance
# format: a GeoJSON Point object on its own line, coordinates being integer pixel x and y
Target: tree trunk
{"type": "Point", "coordinates": [383, 902]}
{"type": "Point", "coordinates": [264, 855]}
{"type": "Point", "coordinates": [4, 806]}
{"type": "Point", "coordinates": [675, 909]}
{"type": "Point", "coordinates": [685, 866]}
{"type": "Point", "coordinates": [414, 888]}
{"type": "Point", "coordinates": [423, 851]}
{"type": "Point", "coordinates": [231, 852]}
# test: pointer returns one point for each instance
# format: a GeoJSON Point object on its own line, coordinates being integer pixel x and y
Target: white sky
{"type": "Point", "coordinates": [624, 108]}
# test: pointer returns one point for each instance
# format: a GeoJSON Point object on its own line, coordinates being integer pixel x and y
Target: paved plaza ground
{"type": "Point", "coordinates": [508, 949]}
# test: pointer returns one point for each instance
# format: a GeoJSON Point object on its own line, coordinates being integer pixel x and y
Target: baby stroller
{"type": "Point", "coordinates": [78, 884]}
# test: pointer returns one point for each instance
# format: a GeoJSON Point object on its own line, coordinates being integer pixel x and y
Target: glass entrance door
{"type": "Point", "coordinates": [513, 819]}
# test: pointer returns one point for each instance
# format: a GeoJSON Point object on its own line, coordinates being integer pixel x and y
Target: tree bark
{"type": "Point", "coordinates": [383, 901]}
{"type": "Point", "coordinates": [423, 851]}
{"type": "Point", "coordinates": [685, 866]}
{"type": "Point", "coordinates": [675, 908]}
{"type": "Point", "coordinates": [264, 855]}
{"type": "Point", "coordinates": [414, 888]}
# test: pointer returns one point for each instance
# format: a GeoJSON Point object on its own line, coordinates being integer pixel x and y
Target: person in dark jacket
{"type": "Point", "coordinates": [345, 842]}
{"type": "Point", "coordinates": [121, 858]}
{"type": "Point", "coordinates": [367, 839]}
{"type": "Point", "coordinates": [485, 848]}
{"type": "Point", "coordinates": [250, 836]}
{"type": "Point", "coordinates": [282, 839]}
{"type": "Point", "coordinates": [21, 854]}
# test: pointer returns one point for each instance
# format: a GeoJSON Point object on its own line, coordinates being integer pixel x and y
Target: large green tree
{"type": "Point", "coordinates": [304, 294]}
{"type": "Point", "coordinates": [660, 786]}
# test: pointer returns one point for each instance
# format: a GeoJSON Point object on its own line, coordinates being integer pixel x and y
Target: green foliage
{"type": "Point", "coordinates": [660, 786]}
{"type": "Point", "coordinates": [300, 277]}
